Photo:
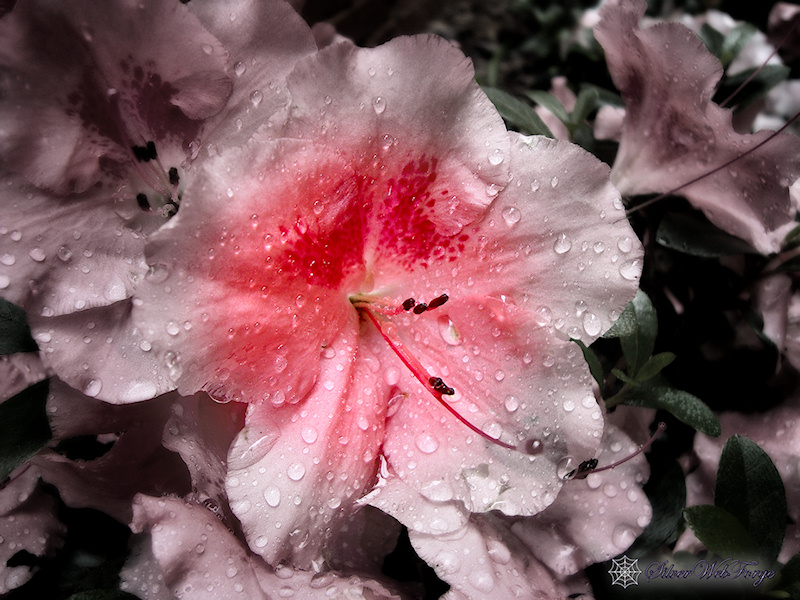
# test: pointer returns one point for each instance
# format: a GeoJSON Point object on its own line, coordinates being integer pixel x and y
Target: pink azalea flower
{"type": "Point", "coordinates": [282, 283]}
{"type": "Point", "coordinates": [104, 111]}
{"type": "Point", "coordinates": [674, 133]}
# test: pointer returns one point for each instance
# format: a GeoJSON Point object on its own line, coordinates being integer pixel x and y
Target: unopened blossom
{"type": "Point", "coordinates": [105, 108]}
{"type": "Point", "coordinates": [388, 277]}
{"type": "Point", "coordinates": [673, 133]}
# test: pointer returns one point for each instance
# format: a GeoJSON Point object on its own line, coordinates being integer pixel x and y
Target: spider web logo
{"type": "Point", "coordinates": [624, 571]}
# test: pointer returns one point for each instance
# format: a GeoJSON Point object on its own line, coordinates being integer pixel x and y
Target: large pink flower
{"type": "Point", "coordinates": [283, 280]}
{"type": "Point", "coordinates": [105, 108]}
{"type": "Point", "coordinates": [673, 133]}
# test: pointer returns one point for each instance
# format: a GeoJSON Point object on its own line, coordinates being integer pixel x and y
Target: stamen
{"type": "Point", "coordinates": [438, 301]}
{"type": "Point", "coordinates": [174, 179]}
{"type": "Point", "coordinates": [420, 308]}
{"type": "Point", "coordinates": [434, 385]}
{"type": "Point", "coordinates": [141, 199]}
{"type": "Point", "coordinates": [151, 150]}
{"type": "Point", "coordinates": [141, 153]}
{"type": "Point", "coordinates": [588, 467]}
{"type": "Point", "coordinates": [409, 304]}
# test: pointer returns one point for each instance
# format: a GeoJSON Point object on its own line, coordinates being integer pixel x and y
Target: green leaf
{"type": "Point", "coordinates": [622, 376]}
{"type": "Point", "coordinates": [767, 78]}
{"type": "Point", "coordinates": [586, 102]}
{"type": "Point", "coordinates": [517, 113]}
{"type": "Point", "coordinates": [720, 531]}
{"type": "Point", "coordinates": [693, 235]}
{"type": "Point", "coordinates": [735, 42]}
{"type": "Point", "coordinates": [712, 38]}
{"type": "Point", "coordinates": [103, 595]}
{"type": "Point", "coordinates": [667, 496]}
{"type": "Point", "coordinates": [595, 368]}
{"type": "Point", "coordinates": [683, 405]}
{"type": "Point", "coordinates": [636, 329]}
{"type": "Point", "coordinates": [790, 577]}
{"type": "Point", "coordinates": [550, 103]}
{"type": "Point", "coordinates": [15, 335]}
{"type": "Point", "coordinates": [655, 365]}
{"type": "Point", "coordinates": [24, 429]}
{"type": "Point", "coordinates": [750, 487]}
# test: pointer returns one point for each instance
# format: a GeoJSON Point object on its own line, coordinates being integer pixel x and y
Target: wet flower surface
{"type": "Point", "coordinates": [282, 281]}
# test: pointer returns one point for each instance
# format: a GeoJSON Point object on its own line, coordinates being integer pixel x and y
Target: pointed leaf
{"type": "Point", "coordinates": [655, 365]}
{"type": "Point", "coordinates": [15, 335]}
{"type": "Point", "coordinates": [750, 487]}
{"type": "Point", "coordinates": [734, 43]}
{"type": "Point", "coordinates": [550, 103]}
{"type": "Point", "coordinates": [683, 405]}
{"type": "Point", "coordinates": [517, 113]}
{"type": "Point", "coordinates": [585, 103]}
{"type": "Point", "coordinates": [693, 235]}
{"type": "Point", "coordinates": [591, 359]}
{"type": "Point", "coordinates": [24, 428]}
{"type": "Point", "coordinates": [719, 531]}
{"type": "Point", "coordinates": [636, 329]}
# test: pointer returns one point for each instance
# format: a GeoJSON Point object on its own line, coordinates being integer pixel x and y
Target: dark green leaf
{"type": "Point", "coordinates": [667, 496]}
{"type": "Point", "coordinates": [790, 577]}
{"type": "Point", "coordinates": [24, 429]}
{"type": "Point", "coordinates": [623, 377]}
{"type": "Point", "coordinates": [550, 103]}
{"type": "Point", "coordinates": [693, 235]}
{"type": "Point", "coordinates": [767, 78]}
{"type": "Point", "coordinates": [15, 335]}
{"type": "Point", "coordinates": [750, 487]}
{"type": "Point", "coordinates": [586, 102]}
{"type": "Point", "coordinates": [654, 366]}
{"type": "Point", "coordinates": [735, 42]}
{"type": "Point", "coordinates": [103, 595]}
{"type": "Point", "coordinates": [517, 113]}
{"type": "Point", "coordinates": [683, 405]}
{"type": "Point", "coordinates": [594, 363]}
{"type": "Point", "coordinates": [712, 38]}
{"type": "Point", "coordinates": [720, 531]}
{"type": "Point", "coordinates": [636, 329]}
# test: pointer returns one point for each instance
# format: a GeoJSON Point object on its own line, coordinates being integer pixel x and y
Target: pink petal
{"type": "Point", "coordinates": [217, 565]}
{"type": "Point", "coordinates": [294, 472]}
{"type": "Point", "coordinates": [674, 133]}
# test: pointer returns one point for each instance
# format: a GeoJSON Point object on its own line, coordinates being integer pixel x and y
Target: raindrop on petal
{"type": "Point", "coordinates": [562, 244]}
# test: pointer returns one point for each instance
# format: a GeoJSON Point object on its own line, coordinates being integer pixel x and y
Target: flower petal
{"type": "Point", "coordinates": [674, 133]}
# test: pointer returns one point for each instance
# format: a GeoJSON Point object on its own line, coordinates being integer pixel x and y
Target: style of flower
{"type": "Point", "coordinates": [673, 133]}
{"type": "Point", "coordinates": [390, 280]}
{"type": "Point", "coordinates": [104, 111]}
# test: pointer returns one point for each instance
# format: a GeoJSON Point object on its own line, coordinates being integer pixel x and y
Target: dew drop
{"type": "Point", "coordinates": [296, 471]}
{"type": "Point", "coordinates": [554, 182]}
{"type": "Point", "coordinates": [535, 185]}
{"type": "Point", "coordinates": [309, 435]}
{"type": "Point", "coordinates": [532, 446]}
{"type": "Point", "coordinates": [64, 253]}
{"type": "Point", "coordinates": [592, 324]}
{"type": "Point", "coordinates": [511, 404]}
{"type": "Point", "coordinates": [631, 270]}
{"type": "Point", "coordinates": [623, 537]}
{"type": "Point", "coordinates": [625, 244]}
{"type": "Point", "coordinates": [563, 244]}
{"type": "Point", "coordinates": [37, 254]}
{"type": "Point", "coordinates": [568, 405]}
{"type": "Point", "coordinates": [145, 346]}
{"type": "Point", "coordinates": [379, 105]}
{"type": "Point", "coordinates": [511, 215]}
{"type": "Point", "coordinates": [93, 387]}
{"type": "Point", "coordinates": [566, 467]}
{"type": "Point", "coordinates": [256, 97]}
{"type": "Point", "coordinates": [207, 48]}
{"type": "Point", "coordinates": [172, 328]}
{"type": "Point", "coordinates": [426, 443]}
{"type": "Point", "coordinates": [8, 259]}
{"type": "Point", "coordinates": [599, 247]}
{"type": "Point", "coordinates": [281, 363]}
{"type": "Point", "coordinates": [239, 68]}
{"type": "Point", "coordinates": [4, 282]}
{"type": "Point", "coordinates": [272, 495]}
{"type": "Point", "coordinates": [496, 156]}
{"type": "Point", "coordinates": [449, 332]}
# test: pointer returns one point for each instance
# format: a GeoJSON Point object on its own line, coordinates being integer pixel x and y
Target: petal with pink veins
{"type": "Point", "coordinates": [673, 132]}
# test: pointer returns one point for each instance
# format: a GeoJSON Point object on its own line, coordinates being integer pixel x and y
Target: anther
{"type": "Point", "coordinates": [420, 308]}
{"type": "Point", "coordinates": [151, 150]}
{"type": "Point", "coordinates": [141, 199]}
{"type": "Point", "coordinates": [409, 304]}
{"type": "Point", "coordinates": [141, 153]}
{"type": "Point", "coordinates": [439, 386]}
{"type": "Point", "coordinates": [438, 301]}
{"type": "Point", "coordinates": [174, 179]}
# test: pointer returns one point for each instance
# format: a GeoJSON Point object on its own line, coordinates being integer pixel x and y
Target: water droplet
{"type": "Point", "coordinates": [231, 572]}
{"type": "Point", "coordinates": [599, 247]}
{"type": "Point", "coordinates": [531, 446]}
{"type": "Point", "coordinates": [93, 387]}
{"type": "Point", "coordinates": [566, 468]}
{"type": "Point", "coordinates": [296, 471]}
{"type": "Point", "coordinates": [172, 328]}
{"type": "Point", "coordinates": [623, 537]}
{"type": "Point", "coordinates": [157, 273]}
{"type": "Point", "coordinates": [592, 324]}
{"type": "Point", "coordinates": [8, 259]}
{"type": "Point", "coordinates": [535, 185]}
{"type": "Point", "coordinates": [239, 68]}
{"type": "Point", "coordinates": [256, 97]}
{"type": "Point", "coordinates": [631, 270]}
{"type": "Point", "coordinates": [379, 104]}
{"type": "Point", "coordinates": [64, 253]}
{"type": "Point", "coordinates": [173, 362]}
{"type": "Point", "coordinates": [511, 404]}
{"type": "Point", "coordinates": [281, 363]}
{"type": "Point", "coordinates": [512, 215]}
{"type": "Point", "coordinates": [309, 435]}
{"type": "Point", "coordinates": [272, 495]}
{"type": "Point", "coordinates": [145, 346]}
{"type": "Point", "coordinates": [387, 141]}
{"type": "Point", "coordinates": [563, 244]}
{"type": "Point", "coordinates": [426, 443]}
{"type": "Point", "coordinates": [625, 244]}
{"type": "Point", "coordinates": [544, 316]}
{"type": "Point", "coordinates": [37, 254]}
{"type": "Point", "coordinates": [569, 405]}
{"type": "Point", "coordinates": [554, 181]}
{"type": "Point", "coordinates": [207, 48]}
{"type": "Point", "coordinates": [371, 71]}
{"type": "Point", "coordinates": [327, 100]}
{"type": "Point", "coordinates": [449, 332]}
{"type": "Point", "coordinates": [496, 156]}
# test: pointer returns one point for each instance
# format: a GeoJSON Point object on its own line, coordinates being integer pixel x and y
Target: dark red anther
{"type": "Point", "coordinates": [141, 153]}
{"type": "Point", "coordinates": [440, 386]}
{"type": "Point", "coordinates": [438, 301]}
{"type": "Point", "coordinates": [173, 176]}
{"type": "Point", "coordinates": [151, 150]}
{"type": "Point", "coordinates": [141, 199]}
{"type": "Point", "coordinates": [420, 308]}
{"type": "Point", "coordinates": [409, 304]}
